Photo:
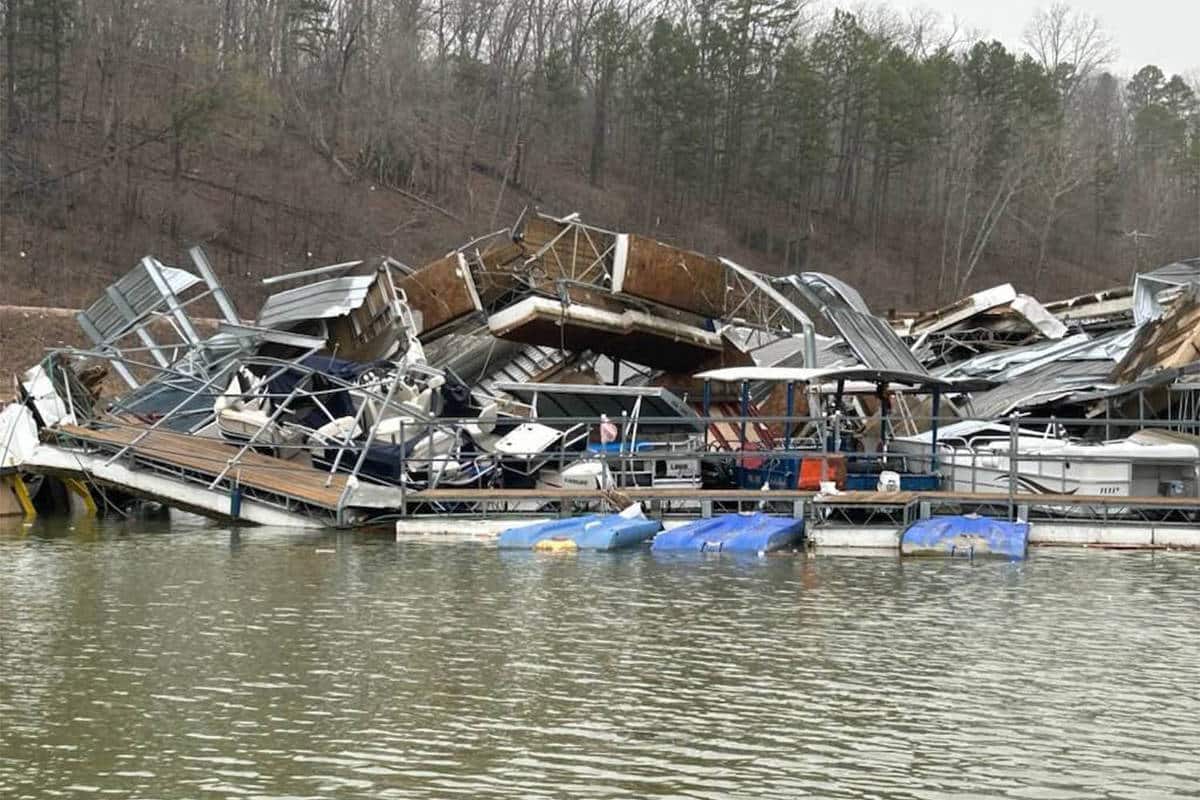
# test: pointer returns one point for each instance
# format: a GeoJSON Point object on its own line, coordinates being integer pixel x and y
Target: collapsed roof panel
{"type": "Point", "coordinates": [321, 300]}
{"type": "Point", "coordinates": [632, 335]}
{"type": "Point", "coordinates": [131, 298]}
{"type": "Point", "coordinates": [873, 341]}
{"type": "Point", "coordinates": [831, 291]}
{"type": "Point", "coordinates": [1109, 308]}
{"type": "Point", "coordinates": [1148, 285]}
{"type": "Point", "coordinates": [963, 309]}
{"type": "Point", "coordinates": [1038, 317]}
{"type": "Point", "coordinates": [1043, 384]}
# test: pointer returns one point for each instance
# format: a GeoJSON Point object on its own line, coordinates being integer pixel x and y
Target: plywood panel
{"type": "Point", "coordinates": [672, 276]}
{"type": "Point", "coordinates": [443, 291]}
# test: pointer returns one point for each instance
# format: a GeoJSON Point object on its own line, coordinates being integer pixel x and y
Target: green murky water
{"type": "Point", "coordinates": [146, 662]}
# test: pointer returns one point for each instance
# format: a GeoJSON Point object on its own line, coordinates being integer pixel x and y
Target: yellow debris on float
{"type": "Point", "coordinates": [557, 544]}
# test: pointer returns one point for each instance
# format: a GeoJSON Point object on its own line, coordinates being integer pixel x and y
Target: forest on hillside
{"type": "Point", "coordinates": [896, 150]}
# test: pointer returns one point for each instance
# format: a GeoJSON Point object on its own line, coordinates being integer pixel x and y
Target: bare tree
{"type": "Point", "coordinates": [1069, 44]}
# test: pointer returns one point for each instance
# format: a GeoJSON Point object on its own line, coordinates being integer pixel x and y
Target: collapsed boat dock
{"type": "Point", "coordinates": [265, 490]}
{"type": "Point", "coordinates": [558, 368]}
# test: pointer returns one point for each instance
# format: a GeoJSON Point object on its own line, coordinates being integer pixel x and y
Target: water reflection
{"type": "Point", "coordinates": [280, 664]}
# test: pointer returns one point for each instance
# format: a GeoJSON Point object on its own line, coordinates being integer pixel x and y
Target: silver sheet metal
{"type": "Point", "coordinates": [1147, 285]}
{"type": "Point", "coordinates": [873, 341]}
{"type": "Point", "coordinates": [1048, 382]}
{"type": "Point", "coordinates": [832, 291]}
{"type": "Point", "coordinates": [107, 320]}
{"type": "Point", "coordinates": [322, 300]}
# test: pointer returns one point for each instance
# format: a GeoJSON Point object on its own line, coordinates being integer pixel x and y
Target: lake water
{"type": "Point", "coordinates": [197, 662]}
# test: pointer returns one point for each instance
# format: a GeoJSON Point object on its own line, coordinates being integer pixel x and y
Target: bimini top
{"type": "Point", "coordinates": [915, 380]}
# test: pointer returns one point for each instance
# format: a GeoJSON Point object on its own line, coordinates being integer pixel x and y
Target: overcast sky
{"type": "Point", "coordinates": [1161, 32]}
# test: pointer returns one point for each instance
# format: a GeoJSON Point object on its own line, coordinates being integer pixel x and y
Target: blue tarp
{"type": "Point", "coordinates": [337, 401]}
{"type": "Point", "coordinates": [589, 532]}
{"type": "Point", "coordinates": [967, 536]}
{"type": "Point", "coordinates": [734, 533]}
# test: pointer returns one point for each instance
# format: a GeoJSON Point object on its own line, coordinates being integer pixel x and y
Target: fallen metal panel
{"type": "Point", "coordinates": [1048, 382]}
{"type": "Point", "coordinates": [1147, 285]}
{"type": "Point", "coordinates": [443, 291]}
{"type": "Point", "coordinates": [142, 296]}
{"type": "Point", "coordinates": [1014, 360]}
{"type": "Point", "coordinates": [832, 291]}
{"type": "Point", "coordinates": [322, 300]}
{"type": "Point", "coordinates": [1038, 317]}
{"type": "Point", "coordinates": [963, 309]}
{"type": "Point", "coordinates": [873, 341]}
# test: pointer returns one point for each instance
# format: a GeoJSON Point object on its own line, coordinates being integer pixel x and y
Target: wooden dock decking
{"type": "Point", "coordinates": [209, 457]}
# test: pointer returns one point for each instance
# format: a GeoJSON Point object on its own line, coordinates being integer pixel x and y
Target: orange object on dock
{"type": "Point", "coordinates": [828, 467]}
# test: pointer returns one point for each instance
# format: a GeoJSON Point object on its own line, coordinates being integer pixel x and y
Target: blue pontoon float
{"type": "Point", "coordinates": [732, 533]}
{"type": "Point", "coordinates": [589, 532]}
{"type": "Point", "coordinates": [966, 536]}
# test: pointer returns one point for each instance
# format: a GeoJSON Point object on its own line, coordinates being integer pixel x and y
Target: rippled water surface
{"type": "Point", "coordinates": [197, 662]}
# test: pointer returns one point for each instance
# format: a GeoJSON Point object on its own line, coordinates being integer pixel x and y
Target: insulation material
{"type": "Point", "coordinates": [1173, 340]}
{"type": "Point", "coordinates": [963, 309]}
{"type": "Point", "coordinates": [1038, 317]}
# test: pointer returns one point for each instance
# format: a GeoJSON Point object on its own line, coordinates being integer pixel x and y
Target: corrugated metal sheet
{"type": "Point", "coordinates": [321, 300]}
{"type": "Point", "coordinates": [1043, 384]}
{"type": "Point", "coordinates": [137, 290]}
{"type": "Point", "coordinates": [874, 342]}
{"type": "Point", "coordinates": [832, 291]}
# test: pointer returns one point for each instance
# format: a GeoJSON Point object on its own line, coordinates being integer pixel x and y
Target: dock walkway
{"type": "Point", "coordinates": [207, 458]}
{"type": "Point", "coordinates": [298, 489]}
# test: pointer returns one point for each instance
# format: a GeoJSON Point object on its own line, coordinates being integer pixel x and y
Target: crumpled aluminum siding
{"type": "Point", "coordinates": [1016, 360]}
{"type": "Point", "coordinates": [1046, 383]}
{"type": "Point", "coordinates": [139, 291]}
{"type": "Point", "coordinates": [322, 300]}
{"type": "Point", "coordinates": [874, 342]}
{"type": "Point", "coordinates": [833, 292]}
{"type": "Point", "coordinates": [1147, 285]}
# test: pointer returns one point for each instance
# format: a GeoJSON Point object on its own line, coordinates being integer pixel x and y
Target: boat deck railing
{"type": "Point", "coordinates": [766, 449]}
